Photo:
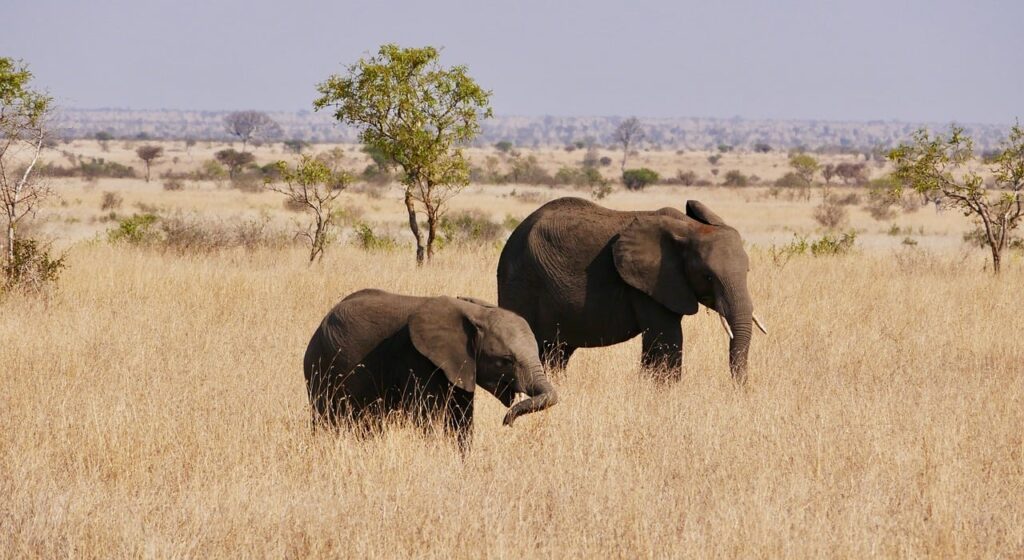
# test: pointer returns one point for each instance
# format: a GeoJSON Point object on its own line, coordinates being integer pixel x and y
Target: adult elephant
{"type": "Point", "coordinates": [583, 275]}
{"type": "Point", "coordinates": [377, 352]}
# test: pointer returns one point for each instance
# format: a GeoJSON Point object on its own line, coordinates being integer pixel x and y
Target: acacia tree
{"type": "Point", "coordinates": [148, 154]}
{"type": "Point", "coordinates": [313, 187]}
{"type": "Point", "coordinates": [23, 113]}
{"type": "Point", "coordinates": [250, 125]}
{"type": "Point", "coordinates": [234, 159]}
{"type": "Point", "coordinates": [417, 114]}
{"type": "Point", "coordinates": [629, 132]}
{"type": "Point", "coordinates": [939, 167]}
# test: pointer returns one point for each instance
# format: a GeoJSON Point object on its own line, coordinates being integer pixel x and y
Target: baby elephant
{"type": "Point", "coordinates": [378, 352]}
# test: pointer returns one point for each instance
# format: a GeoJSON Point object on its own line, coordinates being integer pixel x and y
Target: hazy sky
{"type": "Point", "coordinates": [866, 59]}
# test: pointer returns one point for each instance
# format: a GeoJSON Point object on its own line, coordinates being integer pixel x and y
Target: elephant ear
{"type": "Point", "coordinates": [442, 331]}
{"type": "Point", "coordinates": [696, 210]}
{"type": "Point", "coordinates": [647, 256]}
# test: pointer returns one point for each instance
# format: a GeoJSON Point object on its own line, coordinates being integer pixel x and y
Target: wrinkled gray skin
{"type": "Point", "coordinates": [378, 352]}
{"type": "Point", "coordinates": [583, 275]}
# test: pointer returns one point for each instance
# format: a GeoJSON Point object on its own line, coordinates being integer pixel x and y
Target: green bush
{"type": "Point", "coordinates": [97, 168]}
{"type": "Point", "coordinates": [791, 180]}
{"type": "Point", "coordinates": [368, 240]}
{"type": "Point", "coordinates": [135, 230]}
{"type": "Point", "coordinates": [469, 227]}
{"type": "Point", "coordinates": [637, 179]}
{"type": "Point", "coordinates": [826, 245]}
{"type": "Point", "coordinates": [834, 245]}
{"type": "Point", "coordinates": [734, 178]}
{"type": "Point", "coordinates": [33, 268]}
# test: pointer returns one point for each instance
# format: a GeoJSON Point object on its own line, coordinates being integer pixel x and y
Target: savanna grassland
{"type": "Point", "coordinates": [153, 405]}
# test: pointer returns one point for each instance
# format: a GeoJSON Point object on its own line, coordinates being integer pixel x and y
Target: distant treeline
{"type": "Point", "coordinates": [531, 132]}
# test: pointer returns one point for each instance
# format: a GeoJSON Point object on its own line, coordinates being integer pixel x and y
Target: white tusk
{"type": "Point", "coordinates": [758, 323]}
{"type": "Point", "coordinates": [725, 325]}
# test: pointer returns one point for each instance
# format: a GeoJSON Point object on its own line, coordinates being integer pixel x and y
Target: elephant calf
{"type": "Point", "coordinates": [378, 352]}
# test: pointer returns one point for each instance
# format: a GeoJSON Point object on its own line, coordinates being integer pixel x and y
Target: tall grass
{"type": "Point", "coordinates": [155, 406]}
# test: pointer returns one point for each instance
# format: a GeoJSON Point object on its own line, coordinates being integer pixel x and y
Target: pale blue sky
{"type": "Point", "coordinates": [912, 60]}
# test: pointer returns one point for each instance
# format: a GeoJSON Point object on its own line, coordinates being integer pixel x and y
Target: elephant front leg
{"type": "Point", "coordinates": [663, 353]}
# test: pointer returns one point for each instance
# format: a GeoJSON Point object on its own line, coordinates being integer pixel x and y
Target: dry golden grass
{"type": "Point", "coordinates": [154, 406]}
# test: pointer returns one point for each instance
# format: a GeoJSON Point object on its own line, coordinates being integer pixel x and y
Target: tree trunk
{"type": "Point", "coordinates": [997, 257]}
{"type": "Point", "coordinates": [10, 247]}
{"type": "Point", "coordinates": [147, 171]}
{"type": "Point", "coordinates": [625, 154]}
{"type": "Point", "coordinates": [413, 226]}
{"type": "Point", "coordinates": [431, 232]}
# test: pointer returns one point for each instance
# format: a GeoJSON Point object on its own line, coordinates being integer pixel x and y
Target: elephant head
{"type": "Point", "coordinates": [475, 343]}
{"type": "Point", "coordinates": [681, 263]}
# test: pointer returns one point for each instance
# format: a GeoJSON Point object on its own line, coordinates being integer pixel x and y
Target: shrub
{"type": "Point", "coordinates": [111, 201]}
{"type": "Point", "coordinates": [830, 214]}
{"type": "Point", "coordinates": [368, 240]}
{"type": "Point", "coordinates": [211, 170]}
{"type": "Point", "coordinates": [248, 181]}
{"type": "Point", "coordinates": [605, 161]}
{"type": "Point", "coordinates": [601, 191]}
{"type": "Point", "coordinates": [189, 233]}
{"type": "Point", "coordinates": [714, 159]}
{"type": "Point", "coordinates": [503, 146]}
{"type": "Point", "coordinates": [734, 178]}
{"type": "Point", "coordinates": [174, 184]}
{"type": "Point", "coordinates": [637, 179]}
{"type": "Point", "coordinates": [832, 245]}
{"type": "Point", "coordinates": [686, 178]}
{"type": "Point", "coordinates": [762, 148]}
{"type": "Point", "coordinates": [97, 168]}
{"type": "Point", "coordinates": [527, 170]}
{"type": "Point", "coordinates": [135, 230]}
{"type": "Point", "coordinates": [32, 269]}
{"type": "Point", "coordinates": [469, 227]}
{"type": "Point", "coordinates": [826, 245]}
{"type": "Point", "coordinates": [790, 180]}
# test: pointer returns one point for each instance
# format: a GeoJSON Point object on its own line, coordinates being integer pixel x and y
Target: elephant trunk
{"type": "Point", "coordinates": [539, 390]}
{"type": "Point", "coordinates": [738, 311]}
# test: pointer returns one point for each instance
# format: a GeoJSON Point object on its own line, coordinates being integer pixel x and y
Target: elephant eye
{"type": "Point", "coordinates": [504, 360]}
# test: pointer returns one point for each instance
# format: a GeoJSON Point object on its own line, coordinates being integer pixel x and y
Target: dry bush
{"type": "Point", "coordinates": [174, 184]}
{"type": "Point", "coordinates": [831, 214]}
{"type": "Point", "coordinates": [191, 233]}
{"type": "Point", "coordinates": [111, 201]}
{"type": "Point", "coordinates": [155, 406]}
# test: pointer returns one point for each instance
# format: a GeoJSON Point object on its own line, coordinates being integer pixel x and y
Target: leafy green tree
{"type": "Point", "coordinates": [940, 166]}
{"type": "Point", "coordinates": [419, 114]}
{"type": "Point", "coordinates": [805, 166]}
{"type": "Point", "coordinates": [149, 154]}
{"type": "Point", "coordinates": [312, 186]}
{"type": "Point", "coordinates": [234, 160]}
{"type": "Point", "coordinates": [104, 138]}
{"type": "Point", "coordinates": [23, 131]}
{"type": "Point", "coordinates": [637, 179]}
{"type": "Point", "coordinates": [503, 146]}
